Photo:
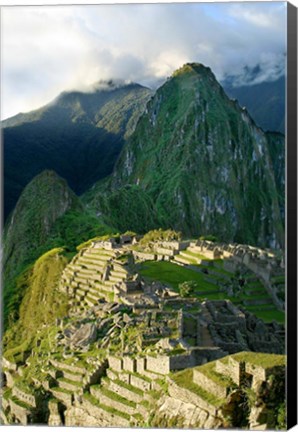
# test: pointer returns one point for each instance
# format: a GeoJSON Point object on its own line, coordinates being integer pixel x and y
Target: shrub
{"type": "Point", "coordinates": [106, 237]}
{"type": "Point", "coordinates": [282, 417]}
{"type": "Point", "coordinates": [160, 235]}
{"type": "Point", "coordinates": [209, 237]}
{"type": "Point", "coordinates": [186, 289]}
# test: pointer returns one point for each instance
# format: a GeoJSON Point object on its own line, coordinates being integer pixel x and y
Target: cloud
{"type": "Point", "coordinates": [47, 49]}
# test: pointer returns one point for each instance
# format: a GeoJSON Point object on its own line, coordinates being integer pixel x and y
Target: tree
{"type": "Point", "coordinates": [186, 289]}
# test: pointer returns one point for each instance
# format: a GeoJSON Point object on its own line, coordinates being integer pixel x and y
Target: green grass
{"type": "Point", "coordinates": [278, 279]}
{"type": "Point", "coordinates": [189, 260]}
{"type": "Point", "coordinates": [7, 393]}
{"type": "Point", "coordinates": [267, 315]}
{"type": "Point", "coordinates": [262, 296]}
{"type": "Point", "coordinates": [62, 390]}
{"type": "Point", "coordinates": [254, 285]}
{"type": "Point", "coordinates": [173, 274]}
{"type": "Point", "coordinates": [163, 384]}
{"type": "Point", "coordinates": [68, 381]}
{"type": "Point", "coordinates": [221, 271]}
{"type": "Point", "coordinates": [138, 417]}
{"type": "Point", "coordinates": [96, 353]}
{"type": "Point", "coordinates": [25, 384]}
{"type": "Point", "coordinates": [212, 296]}
{"type": "Point", "coordinates": [145, 403]}
{"type": "Point", "coordinates": [261, 359]}
{"type": "Point", "coordinates": [16, 354]}
{"type": "Point", "coordinates": [41, 302]}
{"type": "Point", "coordinates": [196, 255]}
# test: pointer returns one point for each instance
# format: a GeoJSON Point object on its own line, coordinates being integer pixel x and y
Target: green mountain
{"type": "Point", "coordinates": [79, 135]}
{"type": "Point", "coordinates": [265, 101]}
{"type": "Point", "coordinates": [45, 199]}
{"type": "Point", "coordinates": [47, 215]}
{"type": "Point", "coordinates": [201, 164]}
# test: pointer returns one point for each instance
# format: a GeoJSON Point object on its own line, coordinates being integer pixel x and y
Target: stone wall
{"type": "Point", "coordinates": [25, 397]}
{"type": "Point", "coordinates": [176, 245]}
{"type": "Point", "coordinates": [236, 371]}
{"type": "Point", "coordinates": [140, 383]}
{"type": "Point", "coordinates": [163, 251]}
{"type": "Point", "coordinates": [129, 364]}
{"type": "Point", "coordinates": [182, 361]}
{"type": "Point", "coordinates": [144, 256]}
{"type": "Point", "coordinates": [8, 364]}
{"type": "Point", "coordinates": [126, 393]}
{"type": "Point", "coordinates": [115, 363]}
{"type": "Point", "coordinates": [187, 414]}
{"type": "Point", "coordinates": [141, 364]}
{"type": "Point", "coordinates": [108, 245]}
{"type": "Point", "coordinates": [159, 364]}
{"type": "Point", "coordinates": [206, 383]}
{"type": "Point", "coordinates": [94, 376]}
{"type": "Point", "coordinates": [10, 379]}
{"type": "Point", "coordinates": [187, 396]}
{"type": "Point", "coordinates": [208, 354]}
{"type": "Point", "coordinates": [19, 412]}
{"type": "Point", "coordinates": [54, 417]}
{"type": "Point", "coordinates": [103, 417]}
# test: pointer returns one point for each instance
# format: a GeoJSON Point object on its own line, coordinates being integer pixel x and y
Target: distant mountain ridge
{"type": "Point", "coordinates": [265, 101]}
{"type": "Point", "coordinates": [79, 136]}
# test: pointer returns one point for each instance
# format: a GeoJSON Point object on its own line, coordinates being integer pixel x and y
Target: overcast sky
{"type": "Point", "coordinates": [48, 49]}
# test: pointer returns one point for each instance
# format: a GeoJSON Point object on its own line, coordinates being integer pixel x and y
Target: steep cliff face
{"type": "Point", "coordinates": [79, 135]}
{"type": "Point", "coordinates": [204, 163]}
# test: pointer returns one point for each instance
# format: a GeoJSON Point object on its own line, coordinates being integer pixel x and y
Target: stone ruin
{"type": "Point", "coordinates": [146, 332]}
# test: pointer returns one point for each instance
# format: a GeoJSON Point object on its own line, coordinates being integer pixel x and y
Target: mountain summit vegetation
{"type": "Point", "coordinates": [201, 165]}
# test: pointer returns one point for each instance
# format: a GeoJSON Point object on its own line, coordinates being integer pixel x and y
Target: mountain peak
{"type": "Point", "coordinates": [191, 143]}
{"type": "Point", "coordinates": [190, 68]}
{"type": "Point", "coordinates": [42, 202]}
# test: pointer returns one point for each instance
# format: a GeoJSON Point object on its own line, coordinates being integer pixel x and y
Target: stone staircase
{"type": "Point", "coordinates": [70, 380]}
{"type": "Point", "coordinates": [16, 409]}
{"type": "Point", "coordinates": [91, 276]}
{"type": "Point", "coordinates": [123, 395]}
{"type": "Point", "coordinates": [205, 336]}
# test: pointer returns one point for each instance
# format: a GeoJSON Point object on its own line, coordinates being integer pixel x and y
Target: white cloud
{"type": "Point", "coordinates": [46, 50]}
